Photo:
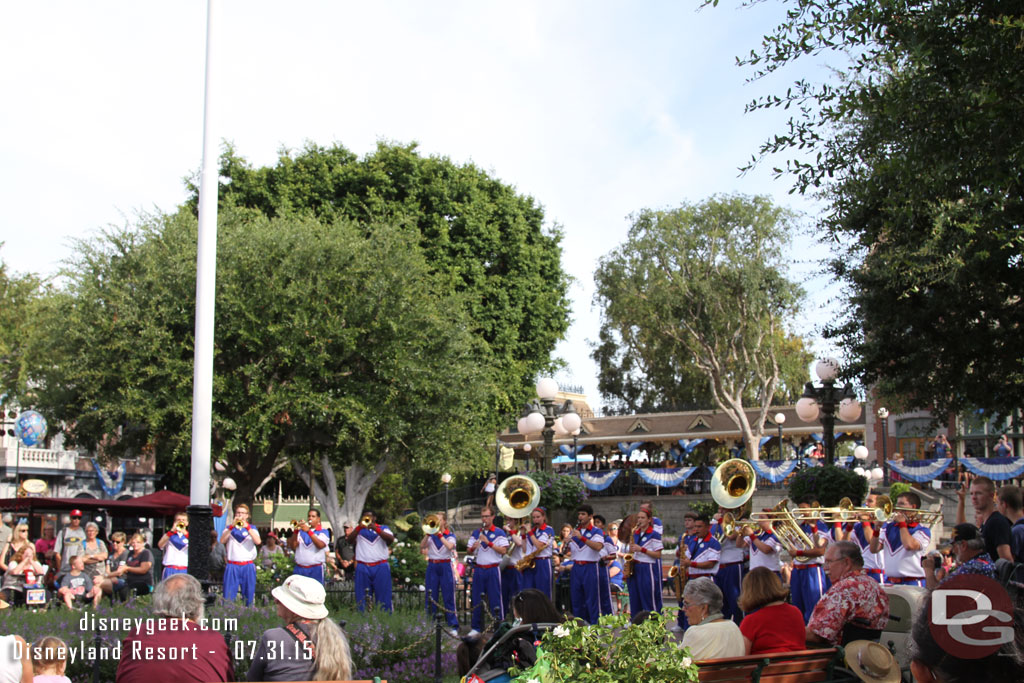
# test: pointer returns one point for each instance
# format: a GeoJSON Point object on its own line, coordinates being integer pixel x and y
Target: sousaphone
{"type": "Point", "coordinates": [733, 483]}
{"type": "Point", "coordinates": [517, 497]}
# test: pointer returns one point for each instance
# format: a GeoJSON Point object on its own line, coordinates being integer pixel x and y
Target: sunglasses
{"type": "Point", "coordinates": [75, 517]}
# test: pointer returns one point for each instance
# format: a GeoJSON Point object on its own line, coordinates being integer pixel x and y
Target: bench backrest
{"type": "Point", "coordinates": [805, 666]}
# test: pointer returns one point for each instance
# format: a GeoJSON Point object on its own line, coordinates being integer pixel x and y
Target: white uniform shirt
{"type": "Point", "coordinates": [900, 562]}
{"type": "Point", "coordinates": [516, 551]}
{"type": "Point", "coordinates": [544, 535]}
{"type": "Point", "coordinates": [650, 540]}
{"type": "Point", "coordinates": [871, 560]}
{"type": "Point", "coordinates": [176, 550]}
{"type": "Point", "coordinates": [485, 554]}
{"type": "Point", "coordinates": [759, 558]}
{"type": "Point", "coordinates": [581, 552]}
{"type": "Point", "coordinates": [306, 552]}
{"type": "Point", "coordinates": [611, 547]}
{"type": "Point", "coordinates": [371, 546]}
{"type": "Point", "coordinates": [240, 546]}
{"type": "Point", "coordinates": [706, 549]}
{"type": "Point", "coordinates": [813, 531]}
{"type": "Point", "coordinates": [436, 550]}
{"type": "Point", "coordinates": [731, 553]}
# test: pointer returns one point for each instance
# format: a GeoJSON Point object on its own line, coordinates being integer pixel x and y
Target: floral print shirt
{"type": "Point", "coordinates": [854, 598]}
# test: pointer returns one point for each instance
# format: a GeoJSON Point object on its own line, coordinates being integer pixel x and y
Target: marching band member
{"type": "Point", "coordinates": [541, 537]}
{"type": "Point", "coordinates": [862, 533]}
{"type": "Point", "coordinates": [704, 553]}
{"type": "Point", "coordinates": [489, 543]}
{"type": "Point", "coordinates": [903, 543]}
{"type": "Point", "coordinates": [240, 541]}
{"type": "Point", "coordinates": [608, 554]}
{"type": "Point", "coordinates": [645, 579]}
{"type": "Point", "coordinates": [440, 551]}
{"type": "Point", "coordinates": [511, 577]}
{"type": "Point", "coordinates": [175, 546]}
{"type": "Point", "coordinates": [587, 542]}
{"type": "Point", "coordinates": [686, 541]}
{"type": "Point", "coordinates": [656, 525]}
{"type": "Point", "coordinates": [765, 548]}
{"type": "Point", "coordinates": [373, 573]}
{"type": "Point", "coordinates": [729, 577]}
{"type": "Point", "coordinates": [309, 543]}
{"type": "Point", "coordinates": [807, 582]}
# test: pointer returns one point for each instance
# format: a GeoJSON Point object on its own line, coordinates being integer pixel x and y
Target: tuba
{"type": "Point", "coordinates": [517, 496]}
{"type": "Point", "coordinates": [733, 483]}
{"type": "Point", "coordinates": [431, 525]}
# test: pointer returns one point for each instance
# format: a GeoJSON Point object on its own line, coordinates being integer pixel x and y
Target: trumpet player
{"type": "Point", "coordinates": [175, 546]}
{"type": "Point", "coordinates": [440, 551]}
{"type": "Point", "coordinates": [540, 540]}
{"type": "Point", "coordinates": [902, 542]}
{"type": "Point", "coordinates": [309, 543]}
{"type": "Point", "coordinates": [644, 581]}
{"type": "Point", "coordinates": [489, 543]}
{"type": "Point", "coordinates": [373, 573]}
{"type": "Point", "coordinates": [240, 539]}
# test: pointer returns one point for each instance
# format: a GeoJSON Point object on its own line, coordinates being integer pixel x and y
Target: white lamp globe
{"type": "Point", "coordinates": [883, 413]}
{"type": "Point", "coordinates": [229, 484]}
{"type": "Point", "coordinates": [877, 474]}
{"type": "Point", "coordinates": [527, 447]}
{"type": "Point", "coordinates": [860, 453]}
{"type": "Point", "coordinates": [521, 425]}
{"type": "Point", "coordinates": [861, 471]}
{"type": "Point", "coordinates": [780, 418]}
{"type": "Point", "coordinates": [534, 422]}
{"type": "Point", "coordinates": [807, 409]}
{"type": "Point", "coordinates": [446, 478]}
{"type": "Point", "coordinates": [547, 388]}
{"type": "Point", "coordinates": [849, 409]}
{"type": "Point", "coordinates": [826, 369]}
{"type": "Point", "coordinates": [571, 422]}
{"type": "Point", "coordinates": [559, 428]}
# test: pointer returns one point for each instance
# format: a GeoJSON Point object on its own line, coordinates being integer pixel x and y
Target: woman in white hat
{"type": "Point", "coordinates": [309, 647]}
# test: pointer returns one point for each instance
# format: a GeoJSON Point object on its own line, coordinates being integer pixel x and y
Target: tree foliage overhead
{"type": "Point", "coordinates": [328, 340]}
{"type": "Point", "coordinates": [701, 289]}
{"type": "Point", "coordinates": [480, 238]}
{"type": "Point", "coordinates": [916, 145]}
{"type": "Point", "coordinates": [18, 294]}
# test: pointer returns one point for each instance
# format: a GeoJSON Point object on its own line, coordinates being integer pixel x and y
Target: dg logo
{"type": "Point", "coordinates": [971, 616]}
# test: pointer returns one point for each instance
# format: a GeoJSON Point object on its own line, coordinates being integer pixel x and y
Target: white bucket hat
{"type": "Point", "coordinates": [302, 596]}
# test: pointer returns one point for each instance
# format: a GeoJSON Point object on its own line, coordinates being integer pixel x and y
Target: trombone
{"type": "Point", "coordinates": [884, 506]}
{"type": "Point", "coordinates": [785, 527]}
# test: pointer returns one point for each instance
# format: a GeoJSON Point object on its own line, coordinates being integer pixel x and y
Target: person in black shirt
{"type": "Point", "coordinates": [995, 528]}
{"type": "Point", "coordinates": [1011, 506]}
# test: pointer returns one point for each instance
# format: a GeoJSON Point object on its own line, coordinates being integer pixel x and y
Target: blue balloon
{"type": "Point", "coordinates": [30, 428]}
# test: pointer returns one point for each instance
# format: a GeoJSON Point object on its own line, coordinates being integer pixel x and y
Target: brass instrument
{"type": "Point", "coordinates": [366, 521]}
{"type": "Point", "coordinates": [729, 524]}
{"type": "Point", "coordinates": [296, 523]}
{"type": "Point", "coordinates": [678, 578]}
{"type": "Point", "coordinates": [432, 525]}
{"type": "Point", "coordinates": [528, 561]}
{"type": "Point", "coordinates": [844, 512]}
{"type": "Point", "coordinates": [628, 564]}
{"type": "Point", "coordinates": [927, 517]}
{"type": "Point", "coordinates": [239, 524]}
{"type": "Point", "coordinates": [517, 496]}
{"type": "Point", "coordinates": [786, 528]}
{"type": "Point", "coordinates": [181, 526]}
{"type": "Point", "coordinates": [733, 483]}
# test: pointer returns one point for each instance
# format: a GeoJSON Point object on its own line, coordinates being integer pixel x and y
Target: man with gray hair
{"type": "Point", "coordinates": [175, 632]}
{"type": "Point", "coordinates": [969, 546]}
{"type": "Point", "coordinates": [854, 608]}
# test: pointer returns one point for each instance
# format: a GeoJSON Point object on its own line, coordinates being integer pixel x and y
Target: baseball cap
{"type": "Point", "coordinates": [76, 513]}
{"type": "Point", "coordinates": [963, 532]}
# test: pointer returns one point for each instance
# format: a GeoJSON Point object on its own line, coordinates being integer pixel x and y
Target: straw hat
{"type": "Point", "coordinates": [872, 662]}
{"type": "Point", "coordinates": [302, 596]}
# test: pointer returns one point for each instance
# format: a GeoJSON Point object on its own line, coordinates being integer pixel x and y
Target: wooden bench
{"type": "Point", "coordinates": [805, 666]}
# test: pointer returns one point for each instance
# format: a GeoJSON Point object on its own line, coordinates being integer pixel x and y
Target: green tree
{"type": "Point", "coordinates": [18, 296]}
{"type": "Point", "coordinates": [705, 282]}
{"type": "Point", "coordinates": [329, 341]}
{"type": "Point", "coordinates": [484, 241]}
{"type": "Point", "coordinates": [915, 144]}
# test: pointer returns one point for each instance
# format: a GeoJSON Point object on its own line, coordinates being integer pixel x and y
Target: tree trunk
{"type": "Point", "coordinates": [358, 482]}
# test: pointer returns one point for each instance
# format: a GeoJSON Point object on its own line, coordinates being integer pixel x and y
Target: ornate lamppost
{"type": "Point", "coordinates": [883, 415]}
{"type": "Point", "coordinates": [780, 419]}
{"type": "Point", "coordinates": [446, 479]}
{"type": "Point", "coordinates": [544, 415]}
{"type": "Point", "coordinates": [826, 401]}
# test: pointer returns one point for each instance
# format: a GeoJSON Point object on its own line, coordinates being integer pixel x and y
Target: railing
{"type": "Point", "coordinates": [456, 497]}
{"type": "Point", "coordinates": [39, 458]}
{"type": "Point", "coordinates": [402, 598]}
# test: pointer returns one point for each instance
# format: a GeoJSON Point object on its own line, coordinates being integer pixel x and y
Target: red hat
{"type": "Point", "coordinates": [76, 513]}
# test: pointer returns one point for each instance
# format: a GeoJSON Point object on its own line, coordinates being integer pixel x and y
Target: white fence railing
{"type": "Point", "coordinates": [39, 458]}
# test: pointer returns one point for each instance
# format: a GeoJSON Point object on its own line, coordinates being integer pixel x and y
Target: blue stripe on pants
{"type": "Point", "coordinates": [486, 581]}
{"type": "Point", "coordinates": [375, 580]}
{"type": "Point", "coordinates": [805, 586]}
{"type": "Point", "coordinates": [539, 577]}
{"type": "Point", "coordinates": [604, 589]}
{"type": "Point", "coordinates": [240, 578]}
{"type": "Point", "coordinates": [511, 584]}
{"type": "Point", "coordinates": [316, 572]}
{"type": "Point", "coordinates": [583, 586]}
{"type": "Point", "coordinates": [643, 589]}
{"type": "Point", "coordinates": [730, 580]}
{"type": "Point", "coordinates": [440, 580]}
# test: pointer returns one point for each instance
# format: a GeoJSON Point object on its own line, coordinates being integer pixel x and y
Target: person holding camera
{"type": "Point", "coordinates": [969, 547]}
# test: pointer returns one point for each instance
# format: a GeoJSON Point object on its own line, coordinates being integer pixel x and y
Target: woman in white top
{"type": "Point", "coordinates": [711, 635]}
{"type": "Point", "coordinates": [15, 669]}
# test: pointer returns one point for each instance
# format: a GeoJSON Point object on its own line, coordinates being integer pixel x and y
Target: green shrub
{"type": "Point", "coordinates": [897, 489]}
{"type": "Point", "coordinates": [828, 484]}
{"type": "Point", "coordinates": [560, 491]}
{"type": "Point", "coordinates": [284, 566]}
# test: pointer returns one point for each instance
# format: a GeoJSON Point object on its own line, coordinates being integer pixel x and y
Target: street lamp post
{"type": "Point", "coordinates": [544, 415]}
{"type": "Point", "coordinates": [780, 419]}
{"type": "Point", "coordinates": [575, 453]}
{"type": "Point", "coordinates": [446, 479]}
{"type": "Point", "coordinates": [883, 415]}
{"type": "Point", "coordinates": [825, 401]}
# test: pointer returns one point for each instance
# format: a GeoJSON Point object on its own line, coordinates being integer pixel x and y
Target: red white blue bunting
{"type": "Point", "coordinates": [666, 477]}
{"type": "Point", "coordinates": [920, 470]}
{"type": "Point", "coordinates": [599, 481]}
{"type": "Point", "coordinates": [997, 468]}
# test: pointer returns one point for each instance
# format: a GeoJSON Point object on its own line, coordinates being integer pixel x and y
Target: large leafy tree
{"type": "Point", "coordinates": [483, 240]}
{"type": "Point", "coordinates": [330, 342]}
{"type": "Point", "coordinates": [18, 294]}
{"type": "Point", "coordinates": [701, 289]}
{"type": "Point", "coordinates": [916, 145]}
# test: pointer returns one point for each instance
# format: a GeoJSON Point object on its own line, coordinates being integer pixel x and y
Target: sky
{"type": "Point", "coordinates": [596, 109]}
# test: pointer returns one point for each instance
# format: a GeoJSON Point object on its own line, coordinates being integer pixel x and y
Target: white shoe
{"type": "Point", "coordinates": [473, 635]}
{"type": "Point", "coordinates": [454, 633]}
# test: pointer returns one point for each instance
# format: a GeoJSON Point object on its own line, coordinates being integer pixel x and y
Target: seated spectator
{"type": "Point", "coordinates": [529, 606]}
{"type": "Point", "coordinates": [770, 624]}
{"type": "Point", "coordinates": [854, 608]}
{"type": "Point", "coordinates": [137, 570]}
{"type": "Point", "coordinates": [76, 587]}
{"type": "Point", "coordinates": [710, 635]}
{"type": "Point", "coordinates": [49, 660]}
{"type": "Point", "coordinates": [309, 647]}
{"type": "Point", "coordinates": [178, 604]}
{"type": "Point", "coordinates": [271, 547]}
{"type": "Point", "coordinates": [15, 669]}
{"type": "Point", "coordinates": [23, 571]}
{"type": "Point", "coordinates": [113, 581]}
{"type": "Point", "coordinates": [971, 557]}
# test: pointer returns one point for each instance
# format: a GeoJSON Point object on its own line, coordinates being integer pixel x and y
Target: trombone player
{"type": "Point", "coordinates": [903, 541]}
{"type": "Point", "coordinates": [309, 544]}
{"type": "Point", "coordinates": [807, 582]}
{"type": "Point", "coordinates": [438, 545]}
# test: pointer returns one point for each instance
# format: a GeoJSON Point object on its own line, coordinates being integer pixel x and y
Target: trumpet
{"type": "Point", "coordinates": [366, 520]}
{"type": "Point", "coordinates": [844, 512]}
{"type": "Point", "coordinates": [431, 525]}
{"type": "Point", "coordinates": [240, 524]}
{"type": "Point", "coordinates": [296, 523]}
{"type": "Point", "coordinates": [181, 526]}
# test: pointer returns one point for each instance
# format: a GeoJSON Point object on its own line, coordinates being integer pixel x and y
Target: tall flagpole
{"type": "Point", "coordinates": [200, 513]}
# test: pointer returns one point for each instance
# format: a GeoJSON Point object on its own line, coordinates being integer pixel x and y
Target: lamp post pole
{"type": "Point", "coordinates": [883, 415]}
{"type": "Point", "coordinates": [575, 454]}
{"type": "Point", "coordinates": [780, 419]}
{"type": "Point", "coordinates": [825, 401]}
{"type": "Point", "coordinates": [446, 479]}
